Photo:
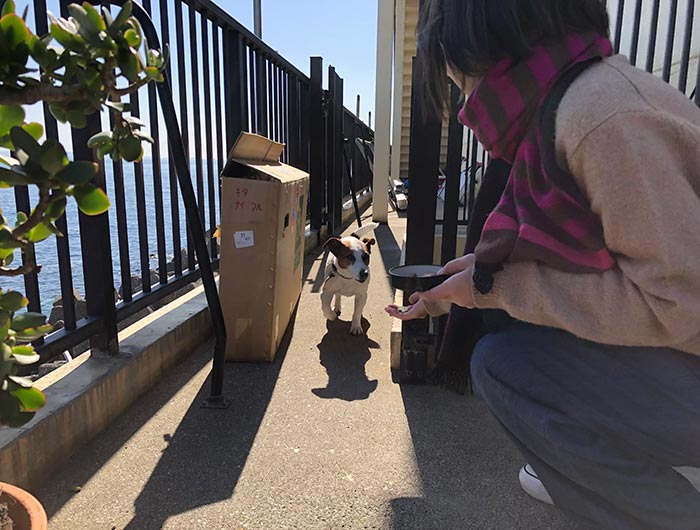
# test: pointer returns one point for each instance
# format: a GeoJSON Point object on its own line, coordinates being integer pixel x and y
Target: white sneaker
{"type": "Point", "coordinates": [533, 486]}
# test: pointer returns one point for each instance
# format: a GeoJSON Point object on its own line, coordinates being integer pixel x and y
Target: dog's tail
{"type": "Point", "coordinates": [366, 229]}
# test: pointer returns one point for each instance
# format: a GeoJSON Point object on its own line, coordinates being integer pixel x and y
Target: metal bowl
{"type": "Point", "coordinates": [416, 277]}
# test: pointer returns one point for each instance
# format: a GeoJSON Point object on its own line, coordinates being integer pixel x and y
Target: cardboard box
{"type": "Point", "coordinates": [263, 223]}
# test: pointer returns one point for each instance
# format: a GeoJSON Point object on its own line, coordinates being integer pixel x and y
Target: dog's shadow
{"type": "Point", "coordinates": [344, 358]}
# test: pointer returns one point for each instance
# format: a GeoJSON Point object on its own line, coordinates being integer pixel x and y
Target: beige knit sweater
{"type": "Point", "coordinates": [632, 143]}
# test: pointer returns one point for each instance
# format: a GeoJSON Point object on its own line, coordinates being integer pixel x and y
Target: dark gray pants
{"type": "Point", "coordinates": [602, 426]}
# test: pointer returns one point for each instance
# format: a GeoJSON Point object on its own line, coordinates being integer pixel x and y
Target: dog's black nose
{"type": "Point", "coordinates": [364, 273]}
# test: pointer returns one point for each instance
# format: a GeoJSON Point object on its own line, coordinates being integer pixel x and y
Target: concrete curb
{"type": "Point", "coordinates": [86, 395]}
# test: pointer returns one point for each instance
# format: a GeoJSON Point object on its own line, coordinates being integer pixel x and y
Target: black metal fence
{"type": "Point", "coordinates": [223, 80]}
{"type": "Point", "coordinates": [661, 37]}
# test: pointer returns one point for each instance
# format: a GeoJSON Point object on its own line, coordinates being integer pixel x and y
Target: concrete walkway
{"type": "Point", "coordinates": [320, 439]}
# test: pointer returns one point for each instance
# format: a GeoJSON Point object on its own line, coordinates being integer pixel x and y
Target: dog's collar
{"type": "Point", "coordinates": [335, 270]}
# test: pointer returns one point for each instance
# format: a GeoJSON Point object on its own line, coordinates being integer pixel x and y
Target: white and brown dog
{"type": "Point", "coordinates": [347, 274]}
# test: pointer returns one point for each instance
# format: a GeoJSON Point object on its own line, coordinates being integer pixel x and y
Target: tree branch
{"type": "Point", "coordinates": [32, 94]}
{"type": "Point", "coordinates": [36, 216]}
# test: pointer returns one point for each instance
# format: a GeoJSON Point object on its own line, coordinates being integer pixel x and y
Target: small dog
{"type": "Point", "coordinates": [347, 274]}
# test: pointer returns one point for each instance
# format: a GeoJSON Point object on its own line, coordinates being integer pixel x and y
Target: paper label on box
{"type": "Point", "coordinates": [244, 239]}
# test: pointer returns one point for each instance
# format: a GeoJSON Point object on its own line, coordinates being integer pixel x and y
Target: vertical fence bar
{"type": "Point", "coordinates": [184, 120]}
{"type": "Point", "coordinates": [688, 39]}
{"type": "Point", "coordinates": [172, 176]}
{"type": "Point", "coordinates": [670, 37]}
{"type": "Point", "coordinates": [261, 92]}
{"type": "Point", "coordinates": [635, 32]}
{"type": "Point", "coordinates": [316, 144]}
{"type": "Point", "coordinates": [122, 228]}
{"type": "Point", "coordinates": [31, 280]}
{"type": "Point", "coordinates": [62, 243]}
{"type": "Point", "coordinates": [218, 104]}
{"type": "Point", "coordinates": [252, 89]}
{"type": "Point", "coordinates": [618, 25]}
{"type": "Point", "coordinates": [144, 254]}
{"type": "Point", "coordinates": [211, 178]}
{"type": "Point", "coordinates": [157, 175]}
{"type": "Point", "coordinates": [197, 115]}
{"type": "Point", "coordinates": [97, 252]}
{"type": "Point", "coordinates": [455, 138]}
{"type": "Point", "coordinates": [293, 125]}
{"type": "Point", "coordinates": [305, 125]}
{"type": "Point", "coordinates": [423, 167]}
{"type": "Point", "coordinates": [235, 86]}
{"type": "Point", "coordinates": [651, 50]}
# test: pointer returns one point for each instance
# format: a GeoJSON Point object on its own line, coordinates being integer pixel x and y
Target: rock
{"type": "Point", "coordinates": [137, 283]}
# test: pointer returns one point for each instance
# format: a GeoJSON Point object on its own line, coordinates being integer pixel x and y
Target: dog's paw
{"type": "Point", "coordinates": [356, 329]}
{"type": "Point", "coordinates": [330, 315]}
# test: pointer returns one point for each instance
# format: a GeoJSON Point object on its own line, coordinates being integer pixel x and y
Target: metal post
{"type": "Point", "coordinates": [316, 145]}
{"type": "Point", "coordinates": [97, 251]}
{"type": "Point", "coordinates": [257, 15]}
{"type": "Point", "coordinates": [357, 111]}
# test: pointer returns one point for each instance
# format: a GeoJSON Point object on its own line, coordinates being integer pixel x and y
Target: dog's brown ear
{"type": "Point", "coordinates": [337, 247]}
{"type": "Point", "coordinates": [369, 242]}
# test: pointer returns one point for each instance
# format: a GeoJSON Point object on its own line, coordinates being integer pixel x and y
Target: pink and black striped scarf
{"type": "Point", "coordinates": [542, 215]}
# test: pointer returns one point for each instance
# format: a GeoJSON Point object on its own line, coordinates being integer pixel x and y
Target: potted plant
{"type": "Point", "coordinates": [87, 62]}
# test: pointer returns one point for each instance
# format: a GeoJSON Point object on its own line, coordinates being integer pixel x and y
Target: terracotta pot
{"type": "Point", "coordinates": [25, 510]}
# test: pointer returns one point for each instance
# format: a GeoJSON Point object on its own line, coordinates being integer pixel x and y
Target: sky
{"type": "Point", "coordinates": [343, 33]}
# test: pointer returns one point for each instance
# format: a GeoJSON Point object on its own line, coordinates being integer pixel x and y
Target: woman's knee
{"type": "Point", "coordinates": [490, 359]}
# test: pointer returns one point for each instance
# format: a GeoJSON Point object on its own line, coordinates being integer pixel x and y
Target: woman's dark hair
{"type": "Point", "coordinates": [473, 35]}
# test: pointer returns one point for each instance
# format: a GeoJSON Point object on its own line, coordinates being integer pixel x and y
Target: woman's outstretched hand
{"type": "Point", "coordinates": [455, 290]}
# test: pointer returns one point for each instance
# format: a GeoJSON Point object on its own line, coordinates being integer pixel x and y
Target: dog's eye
{"type": "Point", "coordinates": [365, 258]}
{"type": "Point", "coordinates": [351, 258]}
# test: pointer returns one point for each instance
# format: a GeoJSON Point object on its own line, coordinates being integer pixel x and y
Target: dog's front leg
{"type": "Point", "coordinates": [356, 326]}
{"type": "Point", "coordinates": [336, 306]}
{"type": "Point", "coordinates": [326, 298]}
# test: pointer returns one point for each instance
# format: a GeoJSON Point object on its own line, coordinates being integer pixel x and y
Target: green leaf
{"type": "Point", "coordinates": [13, 301]}
{"type": "Point", "coordinates": [123, 15]}
{"type": "Point", "coordinates": [27, 321]}
{"type": "Point", "coordinates": [107, 16]}
{"type": "Point", "coordinates": [5, 320]}
{"type": "Point", "coordinates": [52, 157]}
{"type": "Point", "coordinates": [9, 178]}
{"type": "Point", "coordinates": [58, 112]}
{"type": "Point", "coordinates": [24, 360]}
{"type": "Point", "coordinates": [78, 173]}
{"type": "Point", "coordinates": [91, 199]}
{"type": "Point", "coordinates": [39, 233]}
{"type": "Point", "coordinates": [30, 399]}
{"type": "Point", "coordinates": [7, 256]}
{"type": "Point", "coordinates": [32, 334]}
{"type": "Point", "coordinates": [56, 209]}
{"type": "Point", "coordinates": [21, 218]}
{"type": "Point", "coordinates": [23, 350]}
{"type": "Point", "coordinates": [129, 64]}
{"type": "Point", "coordinates": [10, 116]}
{"type": "Point", "coordinates": [36, 130]}
{"type": "Point", "coordinates": [154, 73]}
{"type": "Point", "coordinates": [99, 139]}
{"type": "Point", "coordinates": [14, 29]}
{"type": "Point", "coordinates": [8, 8]}
{"type": "Point", "coordinates": [11, 414]}
{"type": "Point", "coordinates": [77, 119]}
{"type": "Point", "coordinates": [132, 38]}
{"type": "Point", "coordinates": [24, 141]}
{"type": "Point", "coordinates": [130, 148]}
{"type": "Point", "coordinates": [94, 17]}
